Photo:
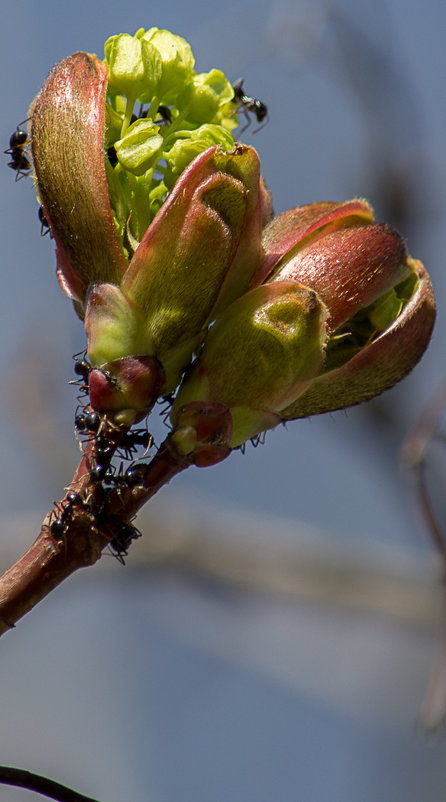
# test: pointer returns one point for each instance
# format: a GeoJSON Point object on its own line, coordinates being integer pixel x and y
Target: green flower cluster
{"type": "Point", "coordinates": [160, 114]}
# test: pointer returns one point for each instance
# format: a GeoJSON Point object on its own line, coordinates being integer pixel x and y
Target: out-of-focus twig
{"type": "Point", "coordinates": [413, 463]}
{"type": "Point", "coordinates": [20, 778]}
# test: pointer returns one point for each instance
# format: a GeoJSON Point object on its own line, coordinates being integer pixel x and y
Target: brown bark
{"type": "Point", "coordinates": [90, 528]}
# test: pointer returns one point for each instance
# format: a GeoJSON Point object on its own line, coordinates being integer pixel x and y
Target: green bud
{"type": "Point", "coordinates": [380, 301]}
{"type": "Point", "coordinates": [140, 146]}
{"type": "Point", "coordinates": [134, 66]}
{"type": "Point", "coordinates": [114, 326]}
{"type": "Point", "coordinates": [198, 254]}
{"type": "Point", "coordinates": [190, 143]}
{"type": "Point", "coordinates": [176, 58]}
{"type": "Point", "coordinates": [261, 354]}
{"type": "Point", "coordinates": [203, 97]}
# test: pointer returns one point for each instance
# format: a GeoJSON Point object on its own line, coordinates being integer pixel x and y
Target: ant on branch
{"type": "Point", "coordinates": [19, 161]}
{"type": "Point", "coordinates": [58, 526]}
{"type": "Point", "coordinates": [124, 536]}
{"type": "Point", "coordinates": [132, 439]}
{"type": "Point", "coordinates": [249, 105]}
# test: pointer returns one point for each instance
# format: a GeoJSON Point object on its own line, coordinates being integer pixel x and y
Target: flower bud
{"type": "Point", "coordinates": [260, 355]}
{"type": "Point", "coordinates": [128, 387]}
{"type": "Point", "coordinates": [203, 97]}
{"type": "Point", "coordinates": [202, 433]}
{"type": "Point", "coordinates": [67, 135]}
{"type": "Point", "coordinates": [176, 58]}
{"type": "Point", "coordinates": [191, 143]}
{"type": "Point", "coordinates": [200, 252]}
{"type": "Point", "coordinates": [134, 66]}
{"type": "Point", "coordinates": [380, 301]}
{"type": "Point", "coordinates": [367, 356]}
{"type": "Point", "coordinates": [139, 149]}
{"type": "Point", "coordinates": [145, 288]}
{"type": "Point", "coordinates": [344, 315]}
{"type": "Point", "coordinates": [102, 174]}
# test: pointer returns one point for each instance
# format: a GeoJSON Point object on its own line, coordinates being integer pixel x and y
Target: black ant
{"type": "Point", "coordinates": [120, 543]}
{"type": "Point", "coordinates": [132, 439]}
{"type": "Point", "coordinates": [19, 161]}
{"type": "Point", "coordinates": [87, 421]}
{"type": "Point", "coordinates": [165, 114]}
{"type": "Point", "coordinates": [249, 105]}
{"type": "Point", "coordinates": [163, 111]}
{"type": "Point", "coordinates": [59, 525]}
{"type": "Point", "coordinates": [44, 224]}
{"type": "Point", "coordinates": [112, 155]}
{"type": "Point", "coordinates": [82, 369]}
{"type": "Point", "coordinates": [103, 472]}
{"type": "Point", "coordinates": [107, 476]}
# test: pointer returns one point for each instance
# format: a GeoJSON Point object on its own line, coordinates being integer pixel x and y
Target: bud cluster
{"type": "Point", "coordinates": [160, 114]}
{"type": "Point", "coordinates": [166, 245]}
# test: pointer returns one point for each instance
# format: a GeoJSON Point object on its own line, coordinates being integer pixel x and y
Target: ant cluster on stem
{"type": "Point", "coordinates": [112, 465]}
{"type": "Point", "coordinates": [101, 443]}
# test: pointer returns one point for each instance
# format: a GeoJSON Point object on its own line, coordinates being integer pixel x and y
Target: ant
{"type": "Point", "coordinates": [59, 525]}
{"type": "Point", "coordinates": [103, 471]}
{"type": "Point", "coordinates": [87, 421]}
{"type": "Point", "coordinates": [120, 543]}
{"type": "Point", "coordinates": [133, 439]}
{"type": "Point", "coordinates": [163, 111]}
{"type": "Point", "coordinates": [112, 155]}
{"type": "Point", "coordinates": [165, 114]}
{"type": "Point", "coordinates": [82, 369]}
{"type": "Point", "coordinates": [45, 226]}
{"type": "Point", "coordinates": [19, 161]}
{"type": "Point", "coordinates": [249, 105]}
{"type": "Point", "coordinates": [106, 475]}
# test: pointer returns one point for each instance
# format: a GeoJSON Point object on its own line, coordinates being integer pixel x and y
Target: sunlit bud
{"type": "Point", "coordinates": [67, 135]}
{"type": "Point", "coordinates": [203, 97]}
{"type": "Point", "coordinates": [202, 433]}
{"type": "Point", "coordinates": [176, 58]}
{"type": "Point", "coordinates": [127, 387]}
{"type": "Point", "coordinates": [380, 301]}
{"type": "Point", "coordinates": [104, 165]}
{"type": "Point", "coordinates": [201, 251]}
{"type": "Point", "coordinates": [260, 355]}
{"type": "Point", "coordinates": [134, 66]}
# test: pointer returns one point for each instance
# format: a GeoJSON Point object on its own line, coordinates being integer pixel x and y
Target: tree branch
{"type": "Point", "coordinates": [89, 528]}
{"type": "Point", "coordinates": [41, 785]}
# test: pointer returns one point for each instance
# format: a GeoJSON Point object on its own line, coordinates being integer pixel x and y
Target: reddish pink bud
{"type": "Point", "coordinates": [67, 135]}
{"type": "Point", "coordinates": [132, 383]}
{"type": "Point", "coordinates": [203, 431]}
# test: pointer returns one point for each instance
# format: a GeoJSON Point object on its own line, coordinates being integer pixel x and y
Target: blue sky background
{"type": "Point", "coordinates": [123, 688]}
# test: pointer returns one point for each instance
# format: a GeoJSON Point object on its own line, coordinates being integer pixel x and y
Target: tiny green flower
{"type": "Point", "coordinates": [202, 98]}
{"type": "Point", "coordinates": [134, 67]}
{"type": "Point", "coordinates": [177, 61]}
{"type": "Point", "coordinates": [140, 147]}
